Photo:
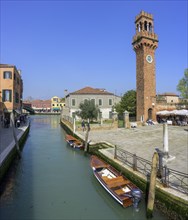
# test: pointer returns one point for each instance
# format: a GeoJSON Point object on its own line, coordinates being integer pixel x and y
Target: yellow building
{"type": "Point", "coordinates": [11, 90]}
{"type": "Point", "coordinates": [56, 104]}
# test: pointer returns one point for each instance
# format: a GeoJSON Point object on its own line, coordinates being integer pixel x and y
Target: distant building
{"type": "Point", "coordinates": [11, 90]}
{"type": "Point", "coordinates": [41, 105]}
{"type": "Point", "coordinates": [168, 98]}
{"type": "Point", "coordinates": [56, 104]}
{"type": "Point", "coordinates": [103, 99]}
{"type": "Point", "coordinates": [170, 101]}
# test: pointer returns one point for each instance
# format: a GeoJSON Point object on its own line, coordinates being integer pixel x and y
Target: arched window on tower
{"type": "Point", "coordinates": [145, 25]}
{"type": "Point", "coordinates": [150, 28]}
{"type": "Point", "coordinates": [140, 25]}
{"type": "Point", "coordinates": [138, 28]}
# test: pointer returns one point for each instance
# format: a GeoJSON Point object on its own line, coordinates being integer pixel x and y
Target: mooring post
{"type": "Point", "coordinates": [166, 174]}
{"type": "Point", "coordinates": [74, 124]}
{"type": "Point", "coordinates": [86, 136]}
{"type": "Point", "coordinates": [160, 154]}
{"type": "Point", "coordinates": [151, 196]}
{"type": "Point", "coordinates": [115, 152]}
{"type": "Point", "coordinates": [14, 134]}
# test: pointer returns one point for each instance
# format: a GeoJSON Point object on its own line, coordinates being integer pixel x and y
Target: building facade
{"type": "Point", "coordinates": [168, 98]}
{"type": "Point", "coordinates": [144, 44]}
{"type": "Point", "coordinates": [11, 90]}
{"type": "Point", "coordinates": [103, 99]}
{"type": "Point", "coordinates": [56, 104]}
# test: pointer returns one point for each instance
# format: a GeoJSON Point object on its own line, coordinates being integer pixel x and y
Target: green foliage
{"type": "Point", "coordinates": [128, 103]}
{"type": "Point", "coordinates": [88, 110]}
{"type": "Point", "coordinates": [182, 86]}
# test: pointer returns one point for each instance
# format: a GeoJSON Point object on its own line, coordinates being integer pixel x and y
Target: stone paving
{"type": "Point", "coordinates": [143, 140]}
{"type": "Point", "coordinates": [7, 139]}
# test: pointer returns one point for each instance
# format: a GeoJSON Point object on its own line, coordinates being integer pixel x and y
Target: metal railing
{"type": "Point", "coordinates": [175, 179]}
{"type": "Point", "coordinates": [168, 177]}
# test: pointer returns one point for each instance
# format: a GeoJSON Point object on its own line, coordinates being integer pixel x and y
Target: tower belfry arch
{"type": "Point", "coordinates": [145, 42]}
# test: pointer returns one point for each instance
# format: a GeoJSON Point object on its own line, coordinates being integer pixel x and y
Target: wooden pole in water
{"type": "Point", "coordinates": [87, 135]}
{"type": "Point", "coordinates": [14, 134]}
{"type": "Point", "coordinates": [151, 196]}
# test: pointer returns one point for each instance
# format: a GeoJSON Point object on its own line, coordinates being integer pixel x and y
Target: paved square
{"type": "Point", "coordinates": [143, 140]}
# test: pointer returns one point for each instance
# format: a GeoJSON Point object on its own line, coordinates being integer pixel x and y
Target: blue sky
{"type": "Point", "coordinates": [62, 45]}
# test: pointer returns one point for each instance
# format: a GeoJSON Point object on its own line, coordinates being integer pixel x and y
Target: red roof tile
{"type": "Point", "coordinates": [168, 94]}
{"type": "Point", "coordinates": [89, 90]}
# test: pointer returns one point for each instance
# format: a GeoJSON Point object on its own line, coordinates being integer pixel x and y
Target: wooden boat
{"type": "Point", "coordinates": [119, 187]}
{"type": "Point", "coordinates": [73, 142]}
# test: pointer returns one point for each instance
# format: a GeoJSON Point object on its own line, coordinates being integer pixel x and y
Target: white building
{"type": "Point", "coordinates": [103, 100]}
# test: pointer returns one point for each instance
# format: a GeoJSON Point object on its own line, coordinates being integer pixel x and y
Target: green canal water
{"type": "Point", "coordinates": [54, 181]}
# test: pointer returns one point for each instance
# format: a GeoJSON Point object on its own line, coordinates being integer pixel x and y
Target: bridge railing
{"type": "Point", "coordinates": [168, 177]}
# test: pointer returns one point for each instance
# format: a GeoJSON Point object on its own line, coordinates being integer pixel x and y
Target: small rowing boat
{"type": "Point", "coordinates": [73, 142]}
{"type": "Point", "coordinates": [117, 185]}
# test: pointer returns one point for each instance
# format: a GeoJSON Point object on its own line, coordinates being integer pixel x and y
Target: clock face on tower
{"type": "Point", "coordinates": [149, 58]}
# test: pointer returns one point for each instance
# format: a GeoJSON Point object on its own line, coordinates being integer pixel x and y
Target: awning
{"type": "Point", "coordinates": [182, 112]}
{"type": "Point", "coordinates": [56, 109]}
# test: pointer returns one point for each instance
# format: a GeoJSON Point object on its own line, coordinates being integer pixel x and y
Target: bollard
{"type": "Point", "coordinates": [165, 139]}
{"type": "Point", "coordinates": [151, 196]}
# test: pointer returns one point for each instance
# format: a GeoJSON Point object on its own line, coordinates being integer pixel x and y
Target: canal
{"type": "Point", "coordinates": [54, 181]}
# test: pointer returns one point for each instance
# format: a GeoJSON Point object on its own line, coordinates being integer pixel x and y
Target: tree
{"type": "Point", "coordinates": [182, 86]}
{"type": "Point", "coordinates": [128, 103]}
{"type": "Point", "coordinates": [88, 110]}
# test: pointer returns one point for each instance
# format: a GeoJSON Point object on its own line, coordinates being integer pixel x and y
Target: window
{"type": "Point", "coordinates": [110, 101]}
{"type": "Point", "coordinates": [7, 75]}
{"type": "Point", "coordinates": [14, 76]}
{"type": "Point", "coordinates": [100, 102]}
{"type": "Point", "coordinates": [7, 95]}
{"type": "Point", "coordinates": [93, 100]}
{"type": "Point", "coordinates": [73, 102]}
{"type": "Point", "coordinates": [16, 97]}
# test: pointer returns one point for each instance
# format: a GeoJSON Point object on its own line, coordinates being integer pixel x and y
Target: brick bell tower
{"type": "Point", "coordinates": [144, 44]}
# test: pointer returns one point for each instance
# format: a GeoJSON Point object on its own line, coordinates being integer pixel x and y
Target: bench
{"type": "Point", "coordinates": [112, 180]}
{"type": "Point", "coordinates": [121, 191]}
{"type": "Point", "coordinates": [118, 183]}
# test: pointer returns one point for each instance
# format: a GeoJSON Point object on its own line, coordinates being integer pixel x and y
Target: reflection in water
{"type": "Point", "coordinates": [55, 181]}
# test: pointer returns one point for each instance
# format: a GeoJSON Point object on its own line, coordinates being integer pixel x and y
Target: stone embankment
{"type": "Point", "coordinates": [8, 149]}
{"type": "Point", "coordinates": [142, 141]}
